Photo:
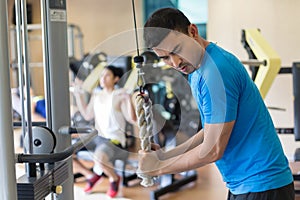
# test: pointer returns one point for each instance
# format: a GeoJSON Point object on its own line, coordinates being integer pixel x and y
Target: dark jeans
{"type": "Point", "coordinates": [284, 193]}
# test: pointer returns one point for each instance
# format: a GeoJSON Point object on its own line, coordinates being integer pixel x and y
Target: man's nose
{"type": "Point", "coordinates": [175, 61]}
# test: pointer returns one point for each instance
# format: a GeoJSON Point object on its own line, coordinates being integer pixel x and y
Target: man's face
{"type": "Point", "coordinates": [180, 51]}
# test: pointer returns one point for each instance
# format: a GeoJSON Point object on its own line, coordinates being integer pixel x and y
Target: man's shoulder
{"type": "Point", "coordinates": [119, 91]}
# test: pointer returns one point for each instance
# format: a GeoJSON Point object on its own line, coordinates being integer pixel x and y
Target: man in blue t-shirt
{"type": "Point", "coordinates": [238, 133]}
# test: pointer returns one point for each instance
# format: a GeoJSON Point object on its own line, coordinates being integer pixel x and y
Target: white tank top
{"type": "Point", "coordinates": [109, 120]}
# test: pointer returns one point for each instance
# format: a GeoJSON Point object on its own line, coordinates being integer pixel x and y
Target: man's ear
{"type": "Point", "coordinates": [117, 78]}
{"type": "Point", "coordinates": [193, 30]}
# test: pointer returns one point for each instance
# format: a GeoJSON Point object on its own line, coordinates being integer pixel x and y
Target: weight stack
{"type": "Point", "coordinates": [296, 88]}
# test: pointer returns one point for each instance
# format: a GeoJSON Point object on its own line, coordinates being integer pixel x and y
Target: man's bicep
{"type": "Point", "coordinates": [216, 137]}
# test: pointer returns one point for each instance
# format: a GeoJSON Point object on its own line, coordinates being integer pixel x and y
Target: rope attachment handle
{"type": "Point", "coordinates": [145, 115]}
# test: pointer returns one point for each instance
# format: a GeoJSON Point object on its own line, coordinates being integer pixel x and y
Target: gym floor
{"type": "Point", "coordinates": [209, 186]}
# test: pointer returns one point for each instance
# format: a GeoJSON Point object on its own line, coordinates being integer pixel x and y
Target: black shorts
{"type": "Point", "coordinates": [284, 193]}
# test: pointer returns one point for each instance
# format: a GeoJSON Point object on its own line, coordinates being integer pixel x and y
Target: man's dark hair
{"type": "Point", "coordinates": [161, 22]}
{"type": "Point", "coordinates": [117, 71]}
{"type": "Point", "coordinates": [150, 57]}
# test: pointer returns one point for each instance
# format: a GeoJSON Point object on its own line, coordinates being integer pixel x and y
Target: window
{"type": "Point", "coordinates": [195, 10]}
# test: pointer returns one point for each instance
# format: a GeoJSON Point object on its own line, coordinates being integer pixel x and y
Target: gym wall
{"type": "Point", "coordinates": [99, 22]}
{"type": "Point", "coordinates": [279, 22]}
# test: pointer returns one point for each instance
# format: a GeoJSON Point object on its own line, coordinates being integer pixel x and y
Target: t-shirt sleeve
{"type": "Point", "coordinates": [219, 98]}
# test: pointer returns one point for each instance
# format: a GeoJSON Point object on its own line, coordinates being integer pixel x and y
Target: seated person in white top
{"type": "Point", "coordinates": [110, 108]}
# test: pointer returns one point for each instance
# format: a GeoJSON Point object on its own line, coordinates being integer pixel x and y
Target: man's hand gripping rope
{"type": "Point", "coordinates": [144, 116]}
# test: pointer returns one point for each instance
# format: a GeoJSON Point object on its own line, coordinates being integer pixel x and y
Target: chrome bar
{"type": "Point", "coordinates": [71, 45]}
{"type": "Point", "coordinates": [34, 27]}
{"type": "Point", "coordinates": [13, 45]}
{"type": "Point", "coordinates": [253, 62]}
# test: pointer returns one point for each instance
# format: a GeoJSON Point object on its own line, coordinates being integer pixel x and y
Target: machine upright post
{"type": "Point", "coordinates": [55, 47]}
{"type": "Point", "coordinates": [8, 189]}
{"type": "Point", "coordinates": [296, 87]}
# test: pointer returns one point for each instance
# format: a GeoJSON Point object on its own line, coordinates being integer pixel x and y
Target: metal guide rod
{"type": "Point", "coordinates": [24, 79]}
{"type": "Point", "coordinates": [253, 62]}
{"type": "Point", "coordinates": [8, 189]}
{"type": "Point", "coordinates": [26, 73]}
{"type": "Point", "coordinates": [23, 58]}
{"type": "Point", "coordinates": [46, 63]}
{"type": "Point", "coordinates": [20, 63]}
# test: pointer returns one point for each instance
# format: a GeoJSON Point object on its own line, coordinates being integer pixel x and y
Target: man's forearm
{"type": "Point", "coordinates": [191, 143]}
{"type": "Point", "coordinates": [184, 162]}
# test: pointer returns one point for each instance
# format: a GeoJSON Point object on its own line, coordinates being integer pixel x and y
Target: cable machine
{"type": "Point", "coordinates": [48, 150]}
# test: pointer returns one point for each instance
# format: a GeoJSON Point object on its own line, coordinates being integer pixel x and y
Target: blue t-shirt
{"type": "Point", "coordinates": [253, 160]}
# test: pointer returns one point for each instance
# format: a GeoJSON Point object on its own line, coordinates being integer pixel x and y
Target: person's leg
{"type": "Point", "coordinates": [78, 167]}
{"type": "Point", "coordinates": [106, 154]}
{"type": "Point", "coordinates": [107, 166]}
{"type": "Point", "coordinates": [91, 178]}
